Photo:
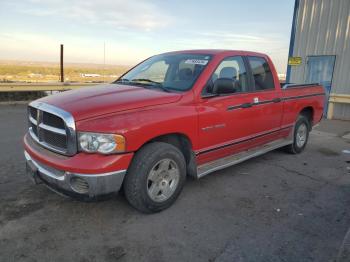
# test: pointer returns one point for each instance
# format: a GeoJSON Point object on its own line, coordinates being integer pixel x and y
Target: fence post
{"type": "Point", "coordinates": [61, 64]}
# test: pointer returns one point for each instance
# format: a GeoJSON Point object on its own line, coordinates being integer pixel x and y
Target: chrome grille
{"type": "Point", "coordinates": [52, 138]}
{"type": "Point", "coordinates": [52, 128]}
{"type": "Point", "coordinates": [32, 112]}
{"type": "Point", "coordinates": [52, 120]}
{"type": "Point", "coordinates": [34, 129]}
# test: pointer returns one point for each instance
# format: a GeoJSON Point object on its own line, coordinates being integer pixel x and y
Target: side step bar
{"type": "Point", "coordinates": [228, 161]}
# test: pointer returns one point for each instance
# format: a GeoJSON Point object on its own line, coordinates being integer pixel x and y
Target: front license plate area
{"type": "Point", "coordinates": [32, 172]}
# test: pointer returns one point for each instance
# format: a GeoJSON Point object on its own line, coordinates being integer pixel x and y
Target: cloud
{"type": "Point", "coordinates": [274, 46]}
{"type": "Point", "coordinates": [119, 14]}
{"type": "Point", "coordinates": [233, 37]}
{"type": "Point", "coordinates": [132, 30]}
{"type": "Point", "coordinates": [21, 45]}
{"type": "Point", "coordinates": [226, 40]}
{"type": "Point", "coordinates": [26, 46]}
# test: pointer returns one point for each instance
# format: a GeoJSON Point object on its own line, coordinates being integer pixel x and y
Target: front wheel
{"type": "Point", "coordinates": [300, 135]}
{"type": "Point", "coordinates": [155, 178]}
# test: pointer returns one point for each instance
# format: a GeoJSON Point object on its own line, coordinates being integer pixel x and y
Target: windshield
{"type": "Point", "coordinates": [168, 72]}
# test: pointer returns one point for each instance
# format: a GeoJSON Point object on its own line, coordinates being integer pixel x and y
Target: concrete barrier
{"type": "Point", "coordinates": [32, 87]}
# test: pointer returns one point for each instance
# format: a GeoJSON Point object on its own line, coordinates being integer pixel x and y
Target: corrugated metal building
{"type": "Point", "coordinates": [320, 50]}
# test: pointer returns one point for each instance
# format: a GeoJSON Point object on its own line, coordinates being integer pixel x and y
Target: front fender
{"type": "Point", "coordinates": [141, 126]}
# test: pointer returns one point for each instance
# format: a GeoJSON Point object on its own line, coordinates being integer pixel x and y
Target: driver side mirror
{"type": "Point", "coordinates": [224, 86]}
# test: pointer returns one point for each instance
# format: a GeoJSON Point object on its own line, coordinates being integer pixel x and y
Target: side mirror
{"type": "Point", "coordinates": [224, 86]}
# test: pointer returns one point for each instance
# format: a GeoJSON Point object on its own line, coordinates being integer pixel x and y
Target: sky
{"type": "Point", "coordinates": [32, 30]}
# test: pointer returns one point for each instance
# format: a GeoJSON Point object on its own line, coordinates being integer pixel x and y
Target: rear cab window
{"type": "Point", "coordinates": [261, 73]}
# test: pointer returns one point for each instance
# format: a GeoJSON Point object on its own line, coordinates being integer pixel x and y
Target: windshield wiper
{"type": "Point", "coordinates": [122, 80]}
{"type": "Point", "coordinates": [137, 81]}
{"type": "Point", "coordinates": [153, 83]}
{"type": "Point", "coordinates": [145, 80]}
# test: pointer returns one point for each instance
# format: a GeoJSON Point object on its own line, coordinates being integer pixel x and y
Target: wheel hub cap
{"type": "Point", "coordinates": [301, 135]}
{"type": "Point", "coordinates": [163, 180]}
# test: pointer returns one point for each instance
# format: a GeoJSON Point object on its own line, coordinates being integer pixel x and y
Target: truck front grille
{"type": "Point", "coordinates": [52, 128]}
{"type": "Point", "coordinates": [52, 120]}
{"type": "Point", "coordinates": [57, 140]}
{"type": "Point", "coordinates": [34, 129]}
{"type": "Point", "coordinates": [33, 111]}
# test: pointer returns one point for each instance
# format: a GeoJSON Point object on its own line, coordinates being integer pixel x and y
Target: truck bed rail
{"type": "Point", "coordinates": [292, 85]}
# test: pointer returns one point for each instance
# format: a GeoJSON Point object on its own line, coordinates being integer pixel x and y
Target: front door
{"type": "Point", "coordinates": [320, 69]}
{"type": "Point", "coordinates": [226, 120]}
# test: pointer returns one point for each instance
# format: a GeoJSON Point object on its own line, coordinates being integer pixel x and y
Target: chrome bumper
{"type": "Point", "coordinates": [72, 184]}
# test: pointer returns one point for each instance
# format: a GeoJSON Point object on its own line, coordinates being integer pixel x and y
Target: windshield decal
{"type": "Point", "coordinates": [196, 61]}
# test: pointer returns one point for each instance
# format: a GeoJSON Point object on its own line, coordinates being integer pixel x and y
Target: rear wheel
{"type": "Point", "coordinates": [300, 136]}
{"type": "Point", "coordinates": [155, 177]}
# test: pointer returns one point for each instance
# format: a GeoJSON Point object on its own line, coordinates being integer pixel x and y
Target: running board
{"type": "Point", "coordinates": [228, 161]}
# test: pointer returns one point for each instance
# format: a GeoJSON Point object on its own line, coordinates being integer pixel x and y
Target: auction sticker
{"type": "Point", "coordinates": [196, 61]}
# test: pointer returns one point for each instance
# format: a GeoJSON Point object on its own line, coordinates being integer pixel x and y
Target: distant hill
{"type": "Point", "coordinates": [28, 71]}
{"type": "Point", "coordinates": [50, 64]}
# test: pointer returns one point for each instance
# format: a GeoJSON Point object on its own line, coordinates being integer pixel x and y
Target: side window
{"type": "Point", "coordinates": [232, 70]}
{"type": "Point", "coordinates": [261, 73]}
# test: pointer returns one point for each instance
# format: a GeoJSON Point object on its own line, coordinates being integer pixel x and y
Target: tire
{"type": "Point", "coordinates": [299, 144]}
{"type": "Point", "coordinates": [155, 177]}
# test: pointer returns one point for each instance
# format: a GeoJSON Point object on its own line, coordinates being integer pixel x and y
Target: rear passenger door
{"type": "Point", "coordinates": [267, 103]}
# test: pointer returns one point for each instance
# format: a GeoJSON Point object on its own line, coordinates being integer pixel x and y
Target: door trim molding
{"type": "Point", "coordinates": [234, 159]}
{"type": "Point", "coordinates": [242, 140]}
{"type": "Point", "coordinates": [281, 99]}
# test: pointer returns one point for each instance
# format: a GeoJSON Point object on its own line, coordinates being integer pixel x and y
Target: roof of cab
{"type": "Point", "coordinates": [216, 52]}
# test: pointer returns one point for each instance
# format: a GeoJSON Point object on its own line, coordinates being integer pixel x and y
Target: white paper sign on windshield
{"type": "Point", "coordinates": [196, 61]}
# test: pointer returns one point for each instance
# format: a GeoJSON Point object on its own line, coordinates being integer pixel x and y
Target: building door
{"type": "Point", "coordinates": [320, 70]}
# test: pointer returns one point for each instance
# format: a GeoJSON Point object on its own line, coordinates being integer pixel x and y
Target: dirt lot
{"type": "Point", "coordinates": [276, 207]}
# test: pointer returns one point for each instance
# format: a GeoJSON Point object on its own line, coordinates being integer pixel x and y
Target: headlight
{"type": "Point", "coordinates": [100, 143]}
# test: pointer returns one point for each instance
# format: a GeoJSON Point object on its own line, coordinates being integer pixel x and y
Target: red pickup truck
{"type": "Point", "coordinates": [178, 114]}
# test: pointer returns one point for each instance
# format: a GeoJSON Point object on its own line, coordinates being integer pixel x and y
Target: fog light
{"type": "Point", "coordinates": [79, 185]}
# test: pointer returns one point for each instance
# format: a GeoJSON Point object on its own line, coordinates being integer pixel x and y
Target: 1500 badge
{"type": "Point", "coordinates": [212, 127]}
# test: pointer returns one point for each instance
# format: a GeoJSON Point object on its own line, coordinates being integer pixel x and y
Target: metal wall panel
{"type": "Point", "coordinates": [323, 28]}
{"type": "Point", "coordinates": [342, 111]}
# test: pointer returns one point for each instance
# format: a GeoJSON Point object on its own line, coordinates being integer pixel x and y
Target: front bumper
{"type": "Point", "coordinates": [86, 186]}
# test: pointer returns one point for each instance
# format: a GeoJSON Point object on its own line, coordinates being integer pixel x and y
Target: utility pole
{"type": "Point", "coordinates": [61, 64]}
{"type": "Point", "coordinates": [104, 61]}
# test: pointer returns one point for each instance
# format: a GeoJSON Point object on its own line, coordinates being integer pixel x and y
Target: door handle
{"type": "Point", "coordinates": [276, 100]}
{"type": "Point", "coordinates": [246, 105]}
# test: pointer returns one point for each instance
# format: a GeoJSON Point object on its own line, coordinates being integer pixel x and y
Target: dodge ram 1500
{"type": "Point", "coordinates": [178, 114]}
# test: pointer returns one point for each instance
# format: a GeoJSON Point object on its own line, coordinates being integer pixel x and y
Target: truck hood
{"type": "Point", "coordinates": [94, 101]}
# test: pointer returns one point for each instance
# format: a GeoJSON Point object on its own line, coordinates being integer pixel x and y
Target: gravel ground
{"type": "Point", "coordinates": [277, 207]}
